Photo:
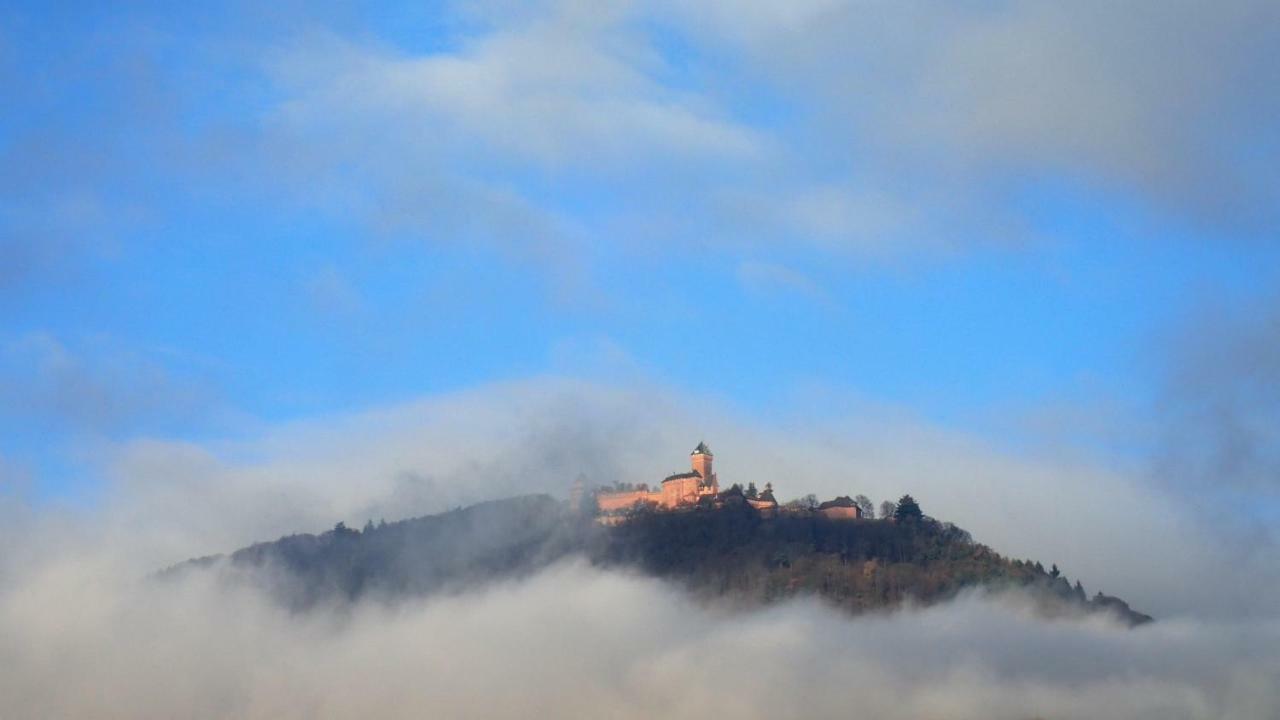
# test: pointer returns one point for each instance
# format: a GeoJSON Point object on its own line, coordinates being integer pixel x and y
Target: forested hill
{"type": "Point", "coordinates": [731, 554]}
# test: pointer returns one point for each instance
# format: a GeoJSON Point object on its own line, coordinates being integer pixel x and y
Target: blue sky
{"type": "Point", "coordinates": [217, 219]}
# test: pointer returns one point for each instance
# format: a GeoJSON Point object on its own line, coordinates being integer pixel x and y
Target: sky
{"type": "Point", "coordinates": [1045, 227]}
{"type": "Point", "coordinates": [263, 269]}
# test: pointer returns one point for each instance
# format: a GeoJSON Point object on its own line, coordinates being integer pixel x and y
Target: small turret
{"type": "Point", "coordinates": [576, 491]}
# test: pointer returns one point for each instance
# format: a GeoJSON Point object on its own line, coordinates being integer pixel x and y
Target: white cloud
{"type": "Point", "coordinates": [1167, 101]}
{"type": "Point", "coordinates": [1109, 528]}
{"type": "Point", "coordinates": [98, 384]}
{"type": "Point", "coordinates": [577, 87]}
{"type": "Point", "coordinates": [81, 634]}
{"type": "Point", "coordinates": [771, 277]}
{"type": "Point", "coordinates": [1220, 400]}
{"type": "Point", "coordinates": [573, 642]}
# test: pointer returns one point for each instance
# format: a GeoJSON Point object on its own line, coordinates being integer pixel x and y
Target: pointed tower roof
{"type": "Point", "coordinates": [702, 449]}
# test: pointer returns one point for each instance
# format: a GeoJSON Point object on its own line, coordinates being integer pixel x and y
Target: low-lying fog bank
{"type": "Point", "coordinates": [578, 642]}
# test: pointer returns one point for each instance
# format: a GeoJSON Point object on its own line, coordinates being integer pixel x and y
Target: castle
{"type": "Point", "coordinates": [699, 487]}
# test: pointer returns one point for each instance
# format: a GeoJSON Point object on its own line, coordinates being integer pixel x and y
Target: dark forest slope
{"type": "Point", "coordinates": [730, 554]}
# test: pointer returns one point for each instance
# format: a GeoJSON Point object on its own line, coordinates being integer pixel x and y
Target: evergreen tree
{"type": "Point", "coordinates": [907, 510]}
{"type": "Point", "coordinates": [752, 493]}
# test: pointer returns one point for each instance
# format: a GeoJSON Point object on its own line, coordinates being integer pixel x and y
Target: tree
{"type": "Point", "coordinates": [811, 501]}
{"type": "Point", "coordinates": [751, 492]}
{"type": "Point", "coordinates": [589, 504]}
{"type": "Point", "coordinates": [907, 510]}
{"type": "Point", "coordinates": [1055, 572]}
{"type": "Point", "coordinates": [866, 506]}
{"type": "Point", "coordinates": [887, 509]}
{"type": "Point", "coordinates": [368, 526]}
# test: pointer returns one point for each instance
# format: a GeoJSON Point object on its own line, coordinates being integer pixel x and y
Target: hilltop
{"type": "Point", "coordinates": [732, 554]}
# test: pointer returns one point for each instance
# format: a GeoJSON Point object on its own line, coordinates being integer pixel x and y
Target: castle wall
{"type": "Point", "coordinates": [841, 513]}
{"type": "Point", "coordinates": [684, 491]}
{"type": "Point", "coordinates": [671, 493]}
{"type": "Point", "coordinates": [675, 492]}
{"type": "Point", "coordinates": [614, 501]}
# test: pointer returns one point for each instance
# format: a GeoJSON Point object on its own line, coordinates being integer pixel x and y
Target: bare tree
{"type": "Point", "coordinates": [887, 509]}
{"type": "Point", "coordinates": [866, 506]}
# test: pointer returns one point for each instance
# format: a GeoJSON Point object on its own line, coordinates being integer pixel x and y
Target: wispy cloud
{"type": "Point", "coordinates": [537, 435]}
{"type": "Point", "coordinates": [1220, 399]}
{"type": "Point", "coordinates": [99, 385]}
{"type": "Point", "coordinates": [769, 277]}
{"type": "Point", "coordinates": [1168, 103]}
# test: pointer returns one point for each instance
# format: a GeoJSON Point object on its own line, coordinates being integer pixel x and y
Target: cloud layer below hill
{"type": "Point", "coordinates": [81, 634]}
{"type": "Point", "coordinates": [575, 642]}
{"type": "Point", "coordinates": [1114, 529]}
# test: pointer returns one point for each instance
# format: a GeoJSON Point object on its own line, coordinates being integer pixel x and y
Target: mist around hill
{"type": "Point", "coordinates": [731, 556]}
{"type": "Point", "coordinates": [86, 632]}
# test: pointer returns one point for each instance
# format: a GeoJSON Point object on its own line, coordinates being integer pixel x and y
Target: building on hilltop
{"type": "Point", "coordinates": [697, 487]}
{"type": "Point", "coordinates": [678, 490]}
{"type": "Point", "coordinates": [842, 508]}
{"type": "Point", "coordinates": [764, 502]}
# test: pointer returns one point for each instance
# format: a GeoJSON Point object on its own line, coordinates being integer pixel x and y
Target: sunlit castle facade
{"type": "Point", "coordinates": [698, 486]}
{"type": "Point", "coordinates": [679, 490]}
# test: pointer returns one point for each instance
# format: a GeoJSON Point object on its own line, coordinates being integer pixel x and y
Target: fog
{"type": "Point", "coordinates": [576, 642]}
{"type": "Point", "coordinates": [1113, 528]}
{"type": "Point", "coordinates": [84, 633]}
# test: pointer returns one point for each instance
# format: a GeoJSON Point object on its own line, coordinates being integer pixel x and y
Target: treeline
{"type": "Point", "coordinates": [858, 565]}
{"type": "Point", "coordinates": [731, 554]}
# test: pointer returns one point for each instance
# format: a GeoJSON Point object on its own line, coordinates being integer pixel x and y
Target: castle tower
{"type": "Point", "coordinates": [701, 458]}
{"type": "Point", "coordinates": [576, 491]}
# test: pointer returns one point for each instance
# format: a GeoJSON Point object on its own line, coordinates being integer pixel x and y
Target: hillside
{"type": "Point", "coordinates": [731, 555]}
{"type": "Point", "coordinates": [857, 565]}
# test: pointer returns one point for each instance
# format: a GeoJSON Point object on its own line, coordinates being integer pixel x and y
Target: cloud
{"type": "Point", "coordinates": [1171, 103]}
{"type": "Point", "coordinates": [574, 642]}
{"type": "Point", "coordinates": [14, 479]}
{"type": "Point", "coordinates": [574, 87]}
{"type": "Point", "coordinates": [554, 132]}
{"type": "Point", "coordinates": [97, 385]}
{"type": "Point", "coordinates": [1220, 400]}
{"type": "Point", "coordinates": [82, 634]}
{"type": "Point", "coordinates": [1109, 527]}
{"type": "Point", "coordinates": [768, 277]}
{"type": "Point", "coordinates": [917, 129]}
{"type": "Point", "coordinates": [76, 184]}
{"type": "Point", "coordinates": [333, 294]}
{"type": "Point", "coordinates": [500, 140]}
